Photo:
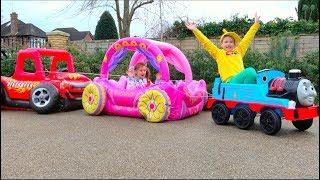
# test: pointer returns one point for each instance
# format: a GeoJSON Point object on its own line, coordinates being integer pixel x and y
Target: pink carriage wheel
{"type": "Point", "coordinates": [154, 105]}
{"type": "Point", "coordinates": [93, 98]}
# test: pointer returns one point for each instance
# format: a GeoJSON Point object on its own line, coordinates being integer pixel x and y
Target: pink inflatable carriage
{"type": "Point", "coordinates": [164, 100]}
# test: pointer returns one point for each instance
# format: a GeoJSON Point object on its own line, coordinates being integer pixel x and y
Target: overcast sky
{"type": "Point", "coordinates": [48, 15]}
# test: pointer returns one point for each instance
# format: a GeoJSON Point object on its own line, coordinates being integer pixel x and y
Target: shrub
{"type": "Point", "coordinates": [8, 63]}
{"type": "Point", "coordinates": [241, 25]}
{"type": "Point", "coordinates": [308, 10]}
{"type": "Point", "coordinates": [106, 27]}
{"type": "Point", "coordinates": [178, 30]}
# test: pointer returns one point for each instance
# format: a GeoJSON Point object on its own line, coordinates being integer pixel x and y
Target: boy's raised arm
{"type": "Point", "coordinates": [245, 42]}
{"type": "Point", "coordinates": [206, 43]}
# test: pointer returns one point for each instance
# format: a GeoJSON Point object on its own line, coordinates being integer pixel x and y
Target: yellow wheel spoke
{"type": "Point", "coordinates": [93, 99]}
{"type": "Point", "coordinates": [152, 105]}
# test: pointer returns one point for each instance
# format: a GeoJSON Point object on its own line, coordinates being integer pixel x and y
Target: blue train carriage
{"type": "Point", "coordinates": [275, 96]}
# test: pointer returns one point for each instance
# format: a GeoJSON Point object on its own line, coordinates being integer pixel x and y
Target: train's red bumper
{"type": "Point", "coordinates": [299, 114]}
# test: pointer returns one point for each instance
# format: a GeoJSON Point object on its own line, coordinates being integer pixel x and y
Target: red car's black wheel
{"type": "Point", "coordinates": [3, 95]}
{"type": "Point", "coordinates": [44, 98]}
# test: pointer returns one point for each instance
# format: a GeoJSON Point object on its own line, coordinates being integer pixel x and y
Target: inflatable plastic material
{"type": "Point", "coordinates": [173, 56]}
{"type": "Point", "coordinates": [44, 90]}
{"type": "Point", "coordinates": [95, 99]}
{"type": "Point", "coordinates": [163, 100]}
{"type": "Point", "coordinates": [154, 105]}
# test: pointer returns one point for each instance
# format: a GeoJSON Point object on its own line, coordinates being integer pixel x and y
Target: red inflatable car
{"type": "Point", "coordinates": [43, 91]}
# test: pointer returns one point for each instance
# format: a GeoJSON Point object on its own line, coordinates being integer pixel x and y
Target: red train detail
{"type": "Point", "coordinates": [277, 84]}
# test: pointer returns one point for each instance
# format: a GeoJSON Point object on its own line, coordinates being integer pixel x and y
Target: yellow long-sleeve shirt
{"type": "Point", "coordinates": [228, 65]}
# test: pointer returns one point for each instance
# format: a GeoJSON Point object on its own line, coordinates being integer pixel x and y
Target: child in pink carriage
{"type": "Point", "coordinates": [138, 76]}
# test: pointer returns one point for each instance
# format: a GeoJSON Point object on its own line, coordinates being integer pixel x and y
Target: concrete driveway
{"type": "Point", "coordinates": [75, 145]}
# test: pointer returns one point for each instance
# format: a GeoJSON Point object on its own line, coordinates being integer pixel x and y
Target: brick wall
{"type": "Point", "coordinates": [58, 39]}
{"type": "Point", "coordinates": [88, 38]}
{"type": "Point", "coordinates": [305, 43]}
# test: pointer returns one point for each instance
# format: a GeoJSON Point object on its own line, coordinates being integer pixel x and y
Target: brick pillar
{"type": "Point", "coordinates": [58, 39]}
{"type": "Point", "coordinates": [14, 23]}
{"type": "Point", "coordinates": [14, 26]}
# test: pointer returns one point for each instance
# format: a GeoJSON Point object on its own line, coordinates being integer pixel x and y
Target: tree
{"type": "Point", "coordinates": [159, 15]}
{"type": "Point", "coordinates": [106, 27]}
{"type": "Point", "coordinates": [308, 10]}
{"type": "Point", "coordinates": [129, 9]}
{"type": "Point", "coordinates": [2, 18]}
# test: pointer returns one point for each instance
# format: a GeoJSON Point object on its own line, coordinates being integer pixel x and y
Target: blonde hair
{"type": "Point", "coordinates": [140, 65]}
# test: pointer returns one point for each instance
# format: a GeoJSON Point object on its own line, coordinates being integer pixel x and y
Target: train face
{"type": "Point", "coordinates": [294, 88]}
{"type": "Point", "coordinates": [306, 92]}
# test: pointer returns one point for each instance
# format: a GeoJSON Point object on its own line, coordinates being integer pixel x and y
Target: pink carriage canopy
{"type": "Point", "coordinates": [172, 54]}
{"type": "Point", "coordinates": [119, 49]}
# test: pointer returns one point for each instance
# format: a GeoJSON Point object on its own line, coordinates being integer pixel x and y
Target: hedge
{"type": "Point", "coordinates": [202, 64]}
{"type": "Point", "coordinates": [242, 24]}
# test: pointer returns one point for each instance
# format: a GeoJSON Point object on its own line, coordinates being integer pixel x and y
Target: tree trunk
{"type": "Point", "coordinates": [126, 19]}
{"type": "Point", "coordinates": [119, 19]}
{"type": "Point", "coordinates": [124, 22]}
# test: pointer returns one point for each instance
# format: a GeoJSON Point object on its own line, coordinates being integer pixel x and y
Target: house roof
{"type": "Point", "coordinates": [23, 30]}
{"type": "Point", "coordinates": [75, 35]}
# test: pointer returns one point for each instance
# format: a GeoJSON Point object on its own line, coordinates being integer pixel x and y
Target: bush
{"type": "Point", "coordinates": [8, 63]}
{"type": "Point", "coordinates": [106, 27]}
{"type": "Point", "coordinates": [178, 30]}
{"type": "Point", "coordinates": [241, 25]}
{"type": "Point", "coordinates": [308, 10]}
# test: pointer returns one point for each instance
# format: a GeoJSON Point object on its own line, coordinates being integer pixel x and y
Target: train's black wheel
{"type": "Point", "coordinates": [220, 113]}
{"type": "Point", "coordinates": [303, 125]}
{"type": "Point", "coordinates": [270, 122]}
{"type": "Point", "coordinates": [243, 117]}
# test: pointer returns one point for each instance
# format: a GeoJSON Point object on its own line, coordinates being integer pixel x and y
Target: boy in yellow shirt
{"type": "Point", "coordinates": [229, 58]}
